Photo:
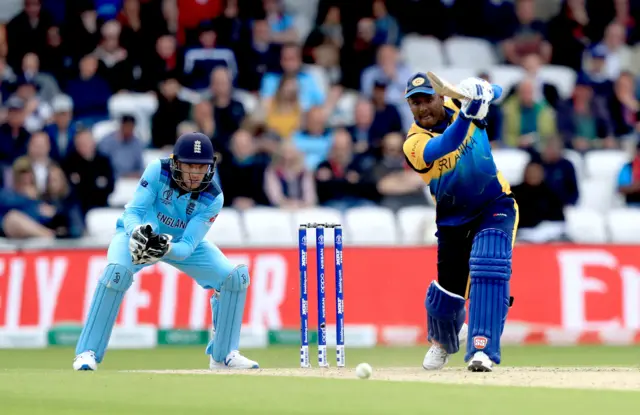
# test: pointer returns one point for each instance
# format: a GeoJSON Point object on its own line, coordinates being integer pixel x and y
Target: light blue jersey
{"type": "Point", "coordinates": [158, 200]}
{"type": "Point", "coordinates": [187, 217]}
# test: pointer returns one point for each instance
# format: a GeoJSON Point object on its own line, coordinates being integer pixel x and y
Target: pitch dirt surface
{"type": "Point", "coordinates": [547, 377]}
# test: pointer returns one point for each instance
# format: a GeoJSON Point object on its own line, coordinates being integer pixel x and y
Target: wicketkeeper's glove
{"type": "Point", "coordinates": [481, 93]}
{"type": "Point", "coordinates": [147, 247]}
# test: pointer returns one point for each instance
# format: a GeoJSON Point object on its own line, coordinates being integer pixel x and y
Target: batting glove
{"type": "Point", "coordinates": [480, 93]}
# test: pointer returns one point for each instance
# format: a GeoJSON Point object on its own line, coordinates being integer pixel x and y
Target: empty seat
{"type": "Point", "coordinates": [102, 129]}
{"type": "Point", "coordinates": [585, 225]}
{"type": "Point", "coordinates": [123, 191]}
{"type": "Point", "coordinates": [269, 227]}
{"type": "Point", "coordinates": [511, 162]}
{"type": "Point", "coordinates": [605, 164]}
{"type": "Point", "coordinates": [468, 52]}
{"type": "Point", "coordinates": [101, 222]}
{"type": "Point", "coordinates": [227, 229]}
{"type": "Point", "coordinates": [599, 194]}
{"type": "Point", "coordinates": [317, 215]}
{"type": "Point", "coordinates": [563, 78]}
{"type": "Point", "coordinates": [624, 225]}
{"type": "Point", "coordinates": [507, 76]}
{"type": "Point", "coordinates": [417, 225]}
{"type": "Point", "coordinates": [422, 53]}
{"type": "Point", "coordinates": [370, 226]}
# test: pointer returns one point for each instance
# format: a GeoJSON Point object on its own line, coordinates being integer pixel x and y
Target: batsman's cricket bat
{"type": "Point", "coordinates": [442, 87]}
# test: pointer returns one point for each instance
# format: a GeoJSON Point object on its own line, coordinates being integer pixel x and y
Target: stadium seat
{"type": "Point", "coordinates": [468, 52]}
{"type": "Point", "coordinates": [624, 225]}
{"type": "Point", "coordinates": [317, 215]}
{"type": "Point", "coordinates": [511, 162]}
{"type": "Point", "coordinates": [456, 74]}
{"type": "Point", "coordinates": [102, 129]}
{"type": "Point", "coordinates": [507, 76]}
{"type": "Point", "coordinates": [141, 106]}
{"type": "Point", "coordinates": [417, 225]}
{"type": "Point", "coordinates": [422, 53]}
{"type": "Point", "coordinates": [269, 227]}
{"type": "Point", "coordinates": [151, 154]}
{"type": "Point", "coordinates": [578, 163]}
{"type": "Point", "coordinates": [248, 101]}
{"type": "Point", "coordinates": [598, 194]}
{"type": "Point", "coordinates": [370, 226]}
{"type": "Point", "coordinates": [585, 225]}
{"type": "Point", "coordinates": [605, 164]}
{"type": "Point", "coordinates": [227, 230]}
{"type": "Point", "coordinates": [101, 223]}
{"type": "Point", "coordinates": [124, 189]}
{"type": "Point", "coordinates": [563, 78]}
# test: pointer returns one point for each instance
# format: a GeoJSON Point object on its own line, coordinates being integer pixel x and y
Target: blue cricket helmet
{"type": "Point", "coordinates": [193, 148]}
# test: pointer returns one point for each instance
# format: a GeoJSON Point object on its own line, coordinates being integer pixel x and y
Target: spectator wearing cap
{"type": "Point", "coordinates": [13, 135]}
{"type": "Point", "coordinates": [45, 83]}
{"type": "Point", "coordinates": [37, 111]}
{"type": "Point", "coordinates": [202, 59]}
{"type": "Point", "coordinates": [90, 93]}
{"type": "Point", "coordinates": [61, 131]}
{"type": "Point", "coordinates": [595, 74]}
{"type": "Point", "coordinates": [310, 93]}
{"type": "Point", "coordinates": [172, 110]}
{"type": "Point", "coordinates": [27, 32]}
{"type": "Point", "coordinates": [89, 172]}
{"type": "Point", "coordinates": [124, 149]}
{"type": "Point", "coordinates": [394, 73]}
{"type": "Point", "coordinates": [386, 118]}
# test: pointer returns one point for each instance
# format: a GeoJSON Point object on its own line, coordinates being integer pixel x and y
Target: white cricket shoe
{"type": "Point", "coordinates": [234, 360]}
{"type": "Point", "coordinates": [85, 361]}
{"type": "Point", "coordinates": [436, 357]}
{"type": "Point", "coordinates": [480, 362]}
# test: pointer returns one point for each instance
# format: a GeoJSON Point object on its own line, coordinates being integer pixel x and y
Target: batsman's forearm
{"type": "Point", "coordinates": [450, 140]}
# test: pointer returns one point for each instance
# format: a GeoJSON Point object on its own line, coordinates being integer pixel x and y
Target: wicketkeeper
{"type": "Point", "coordinates": [172, 209]}
{"type": "Point", "coordinates": [476, 218]}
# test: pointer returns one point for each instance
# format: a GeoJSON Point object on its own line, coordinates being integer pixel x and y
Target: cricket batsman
{"type": "Point", "coordinates": [476, 219]}
{"type": "Point", "coordinates": [172, 209]}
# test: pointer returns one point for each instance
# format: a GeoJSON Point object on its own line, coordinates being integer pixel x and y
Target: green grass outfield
{"type": "Point", "coordinates": [42, 382]}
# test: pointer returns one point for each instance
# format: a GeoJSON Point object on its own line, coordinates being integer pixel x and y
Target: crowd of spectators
{"type": "Point", "coordinates": [61, 61]}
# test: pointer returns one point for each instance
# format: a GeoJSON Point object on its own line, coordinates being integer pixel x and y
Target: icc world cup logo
{"type": "Point", "coordinates": [339, 240]}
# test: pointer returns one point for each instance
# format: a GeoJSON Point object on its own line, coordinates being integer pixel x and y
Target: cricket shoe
{"type": "Point", "coordinates": [480, 362]}
{"type": "Point", "coordinates": [436, 357]}
{"type": "Point", "coordinates": [85, 361]}
{"type": "Point", "coordinates": [234, 360]}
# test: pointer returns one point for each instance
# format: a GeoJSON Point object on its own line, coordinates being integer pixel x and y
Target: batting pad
{"type": "Point", "coordinates": [114, 282]}
{"type": "Point", "coordinates": [445, 317]}
{"type": "Point", "coordinates": [228, 313]}
{"type": "Point", "coordinates": [490, 266]}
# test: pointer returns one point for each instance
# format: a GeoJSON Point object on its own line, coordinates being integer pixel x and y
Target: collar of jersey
{"type": "Point", "coordinates": [442, 125]}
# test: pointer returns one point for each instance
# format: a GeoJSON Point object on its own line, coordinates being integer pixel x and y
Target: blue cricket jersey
{"type": "Point", "coordinates": [158, 200]}
{"type": "Point", "coordinates": [455, 160]}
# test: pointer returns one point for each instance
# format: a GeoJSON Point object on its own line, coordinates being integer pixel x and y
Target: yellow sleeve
{"type": "Point", "coordinates": [414, 151]}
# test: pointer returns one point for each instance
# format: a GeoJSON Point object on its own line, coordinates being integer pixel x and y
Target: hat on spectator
{"type": "Point", "coordinates": [380, 83]}
{"type": "Point", "coordinates": [15, 103]}
{"type": "Point", "coordinates": [599, 51]}
{"type": "Point", "coordinates": [206, 26]}
{"type": "Point", "coordinates": [62, 103]}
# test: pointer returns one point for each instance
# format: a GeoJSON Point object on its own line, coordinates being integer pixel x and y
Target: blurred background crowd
{"type": "Point", "coordinates": [303, 100]}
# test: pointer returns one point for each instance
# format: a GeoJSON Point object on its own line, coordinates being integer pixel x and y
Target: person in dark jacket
{"type": "Point", "coordinates": [13, 136]}
{"type": "Point", "coordinates": [90, 173]}
{"type": "Point", "coordinates": [68, 221]}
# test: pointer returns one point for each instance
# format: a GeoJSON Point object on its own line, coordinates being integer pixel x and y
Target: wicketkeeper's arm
{"type": "Point", "coordinates": [143, 197]}
{"type": "Point", "coordinates": [196, 230]}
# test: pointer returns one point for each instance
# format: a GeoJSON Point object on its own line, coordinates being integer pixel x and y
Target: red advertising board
{"type": "Point", "coordinates": [561, 286]}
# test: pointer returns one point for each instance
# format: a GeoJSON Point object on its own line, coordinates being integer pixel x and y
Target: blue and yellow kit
{"type": "Point", "coordinates": [463, 182]}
